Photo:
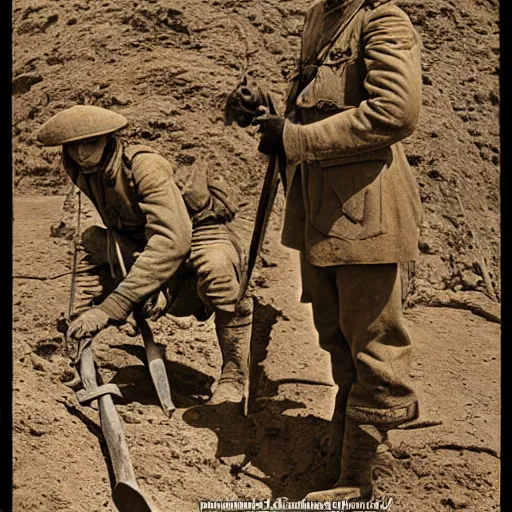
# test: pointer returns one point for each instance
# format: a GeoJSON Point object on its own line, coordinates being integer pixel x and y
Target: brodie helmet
{"type": "Point", "coordinates": [79, 122]}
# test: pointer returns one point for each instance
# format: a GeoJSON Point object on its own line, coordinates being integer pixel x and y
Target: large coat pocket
{"type": "Point", "coordinates": [346, 200]}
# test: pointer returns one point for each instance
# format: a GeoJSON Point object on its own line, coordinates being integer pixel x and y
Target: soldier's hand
{"type": "Point", "coordinates": [271, 129]}
{"type": "Point", "coordinates": [88, 324]}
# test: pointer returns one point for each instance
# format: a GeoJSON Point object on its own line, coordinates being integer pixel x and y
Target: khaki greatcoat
{"type": "Point", "coordinates": [352, 197]}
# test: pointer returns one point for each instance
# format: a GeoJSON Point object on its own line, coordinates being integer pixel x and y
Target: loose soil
{"type": "Point", "coordinates": [60, 459]}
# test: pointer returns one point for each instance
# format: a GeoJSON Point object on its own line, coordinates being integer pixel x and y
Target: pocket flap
{"type": "Point", "coordinates": [353, 207]}
{"type": "Point", "coordinates": [384, 154]}
{"type": "Point", "coordinates": [339, 55]}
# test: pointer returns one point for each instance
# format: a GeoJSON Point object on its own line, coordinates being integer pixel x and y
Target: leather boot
{"type": "Point", "coordinates": [234, 335]}
{"type": "Point", "coordinates": [360, 445]}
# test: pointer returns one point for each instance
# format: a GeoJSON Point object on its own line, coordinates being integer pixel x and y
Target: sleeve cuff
{"type": "Point", "coordinates": [291, 141]}
{"type": "Point", "coordinates": [116, 306]}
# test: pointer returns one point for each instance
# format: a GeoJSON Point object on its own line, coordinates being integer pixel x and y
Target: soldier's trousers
{"type": "Point", "coordinates": [208, 280]}
{"type": "Point", "coordinates": [357, 312]}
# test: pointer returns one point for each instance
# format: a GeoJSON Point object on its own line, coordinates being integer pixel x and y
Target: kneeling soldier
{"type": "Point", "coordinates": [162, 251]}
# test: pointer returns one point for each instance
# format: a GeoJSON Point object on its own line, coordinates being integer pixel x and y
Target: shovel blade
{"type": "Point", "coordinates": [161, 383]}
{"type": "Point", "coordinates": [129, 499]}
{"type": "Point", "coordinates": [156, 365]}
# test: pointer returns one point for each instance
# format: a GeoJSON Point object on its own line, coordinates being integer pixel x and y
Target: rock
{"type": "Point", "coordinates": [38, 363]}
{"type": "Point", "coordinates": [421, 470]}
{"type": "Point", "coordinates": [185, 159]}
{"type": "Point", "coordinates": [62, 230]}
{"type": "Point", "coordinates": [66, 376]}
{"type": "Point", "coordinates": [117, 100]}
{"type": "Point", "coordinates": [41, 24]}
{"type": "Point", "coordinates": [131, 419]}
{"type": "Point", "coordinates": [267, 262]}
{"type": "Point", "coordinates": [172, 19]}
{"type": "Point", "coordinates": [425, 247]}
{"type": "Point", "coordinates": [37, 432]}
{"type": "Point", "coordinates": [456, 503]}
{"type": "Point", "coordinates": [53, 60]}
{"type": "Point", "coordinates": [129, 329]}
{"type": "Point", "coordinates": [23, 83]}
{"type": "Point", "coordinates": [184, 323]}
{"type": "Point", "coordinates": [470, 280]}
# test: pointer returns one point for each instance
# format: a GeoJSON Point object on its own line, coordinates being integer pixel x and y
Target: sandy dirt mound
{"type": "Point", "coordinates": [212, 452]}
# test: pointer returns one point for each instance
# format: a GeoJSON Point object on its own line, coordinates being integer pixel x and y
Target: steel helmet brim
{"type": "Point", "coordinates": [78, 123]}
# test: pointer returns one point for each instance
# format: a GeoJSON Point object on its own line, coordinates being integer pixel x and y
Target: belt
{"type": "Point", "coordinates": [378, 154]}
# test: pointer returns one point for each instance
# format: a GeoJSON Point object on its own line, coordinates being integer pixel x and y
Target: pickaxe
{"type": "Point", "coordinates": [127, 496]}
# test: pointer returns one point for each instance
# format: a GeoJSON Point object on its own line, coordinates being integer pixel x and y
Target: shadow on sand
{"type": "Point", "coordinates": [282, 451]}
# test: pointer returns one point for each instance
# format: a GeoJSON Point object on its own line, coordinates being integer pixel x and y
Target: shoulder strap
{"type": "Point", "coordinates": [130, 152]}
{"type": "Point", "coordinates": [346, 18]}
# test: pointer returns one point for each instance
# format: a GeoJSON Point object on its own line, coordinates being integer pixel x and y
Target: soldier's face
{"type": "Point", "coordinates": [87, 153]}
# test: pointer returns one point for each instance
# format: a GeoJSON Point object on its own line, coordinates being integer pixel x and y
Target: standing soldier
{"type": "Point", "coordinates": [162, 251]}
{"type": "Point", "coordinates": [353, 211]}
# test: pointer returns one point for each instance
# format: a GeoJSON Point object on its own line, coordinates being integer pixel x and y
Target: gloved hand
{"type": "Point", "coordinates": [271, 128]}
{"type": "Point", "coordinates": [89, 323]}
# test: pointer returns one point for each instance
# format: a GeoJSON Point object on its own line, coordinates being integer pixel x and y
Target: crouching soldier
{"type": "Point", "coordinates": [163, 251]}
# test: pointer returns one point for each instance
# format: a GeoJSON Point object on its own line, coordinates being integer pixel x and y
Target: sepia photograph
{"type": "Point", "coordinates": [256, 255]}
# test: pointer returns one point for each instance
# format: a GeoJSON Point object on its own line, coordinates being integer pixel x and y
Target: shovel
{"type": "Point", "coordinates": [127, 496]}
{"type": "Point", "coordinates": [155, 361]}
{"type": "Point", "coordinates": [156, 365]}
